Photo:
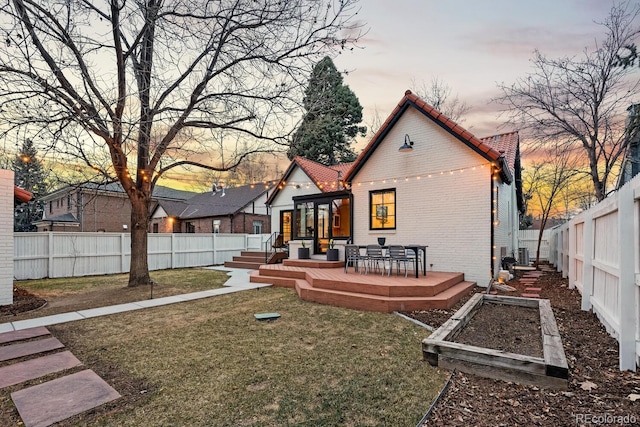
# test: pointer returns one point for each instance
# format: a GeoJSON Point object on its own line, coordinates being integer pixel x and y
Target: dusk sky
{"type": "Point", "coordinates": [470, 45]}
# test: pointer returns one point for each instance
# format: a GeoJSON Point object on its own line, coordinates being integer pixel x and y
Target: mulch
{"type": "Point", "coordinates": [598, 392]}
{"type": "Point", "coordinates": [23, 301]}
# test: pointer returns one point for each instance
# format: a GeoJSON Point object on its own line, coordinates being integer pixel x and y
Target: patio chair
{"type": "Point", "coordinates": [352, 256]}
{"type": "Point", "coordinates": [374, 257]}
{"type": "Point", "coordinates": [412, 256]}
{"type": "Point", "coordinates": [397, 255]}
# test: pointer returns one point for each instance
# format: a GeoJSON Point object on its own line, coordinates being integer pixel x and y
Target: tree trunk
{"type": "Point", "coordinates": [139, 269]}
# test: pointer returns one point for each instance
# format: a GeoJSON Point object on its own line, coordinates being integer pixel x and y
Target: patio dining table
{"type": "Point", "coordinates": [416, 250]}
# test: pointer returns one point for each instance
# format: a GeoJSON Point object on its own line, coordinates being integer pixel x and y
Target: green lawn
{"type": "Point", "coordinates": [210, 363]}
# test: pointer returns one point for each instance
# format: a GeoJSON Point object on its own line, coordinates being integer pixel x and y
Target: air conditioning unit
{"type": "Point", "coordinates": [523, 256]}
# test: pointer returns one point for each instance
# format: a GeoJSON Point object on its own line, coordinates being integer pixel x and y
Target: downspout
{"type": "Point", "coordinates": [494, 218]}
{"type": "Point", "coordinates": [495, 170]}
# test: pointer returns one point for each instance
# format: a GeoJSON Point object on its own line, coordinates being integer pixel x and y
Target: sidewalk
{"type": "Point", "coordinates": [238, 281]}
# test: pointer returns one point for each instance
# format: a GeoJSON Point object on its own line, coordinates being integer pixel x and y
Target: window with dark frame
{"type": "Point", "coordinates": [382, 208]}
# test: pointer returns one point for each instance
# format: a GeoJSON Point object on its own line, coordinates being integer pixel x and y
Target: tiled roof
{"type": "Point", "coordinates": [223, 202]}
{"type": "Point", "coordinates": [22, 195]}
{"type": "Point", "coordinates": [323, 176]}
{"type": "Point", "coordinates": [411, 100]}
{"type": "Point", "coordinates": [506, 143]}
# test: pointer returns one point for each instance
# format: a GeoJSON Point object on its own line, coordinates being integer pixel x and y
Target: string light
{"type": "Point", "coordinates": [409, 178]}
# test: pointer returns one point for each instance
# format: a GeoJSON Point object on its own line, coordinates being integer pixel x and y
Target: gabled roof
{"type": "Point", "coordinates": [67, 217]}
{"type": "Point", "coordinates": [466, 137]}
{"type": "Point", "coordinates": [228, 201]}
{"type": "Point", "coordinates": [323, 176]}
{"type": "Point", "coordinates": [159, 191]}
{"type": "Point", "coordinates": [173, 207]}
{"type": "Point", "coordinates": [21, 195]}
{"type": "Point", "coordinates": [507, 144]}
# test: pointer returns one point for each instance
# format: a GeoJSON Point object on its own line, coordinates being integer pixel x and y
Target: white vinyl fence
{"type": "Point", "coordinates": [599, 251]}
{"type": "Point", "coordinates": [529, 239]}
{"type": "Point", "coordinates": [61, 254]}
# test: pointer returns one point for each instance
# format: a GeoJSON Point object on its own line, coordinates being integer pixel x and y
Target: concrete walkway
{"type": "Point", "coordinates": [238, 281]}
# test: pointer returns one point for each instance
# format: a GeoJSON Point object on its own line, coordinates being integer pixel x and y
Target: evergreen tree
{"type": "Point", "coordinates": [29, 175]}
{"type": "Point", "coordinates": [330, 123]}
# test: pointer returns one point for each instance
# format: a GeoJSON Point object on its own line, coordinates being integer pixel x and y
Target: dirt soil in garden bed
{"type": "Point", "coordinates": [597, 387]}
{"type": "Point", "coordinates": [484, 329]}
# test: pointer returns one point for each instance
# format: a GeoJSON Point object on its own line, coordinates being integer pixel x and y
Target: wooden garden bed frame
{"type": "Point", "coordinates": [551, 371]}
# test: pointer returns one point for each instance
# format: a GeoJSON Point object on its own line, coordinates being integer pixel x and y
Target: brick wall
{"type": "Point", "coordinates": [94, 211]}
{"type": "Point", "coordinates": [105, 213]}
{"type": "Point", "coordinates": [449, 211]}
{"type": "Point", "coordinates": [6, 237]}
{"type": "Point", "coordinates": [240, 223]}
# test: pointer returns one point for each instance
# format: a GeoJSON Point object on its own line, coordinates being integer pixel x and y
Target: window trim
{"type": "Point", "coordinates": [395, 203]}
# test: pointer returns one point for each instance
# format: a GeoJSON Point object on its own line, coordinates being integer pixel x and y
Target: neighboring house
{"type": "Point", "coordinates": [300, 185]}
{"type": "Point", "coordinates": [226, 210]}
{"type": "Point", "coordinates": [422, 179]}
{"type": "Point", "coordinates": [92, 207]}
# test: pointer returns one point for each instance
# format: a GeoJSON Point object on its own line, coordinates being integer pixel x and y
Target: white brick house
{"type": "Point", "coordinates": [6, 234]}
{"type": "Point", "coordinates": [458, 194]}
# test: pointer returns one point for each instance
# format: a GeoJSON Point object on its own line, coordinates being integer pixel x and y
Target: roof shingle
{"type": "Point", "coordinates": [326, 178]}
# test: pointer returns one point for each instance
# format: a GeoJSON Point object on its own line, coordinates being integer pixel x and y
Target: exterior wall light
{"type": "Point", "coordinates": [407, 147]}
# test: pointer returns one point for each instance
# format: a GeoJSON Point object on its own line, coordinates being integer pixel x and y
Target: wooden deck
{"type": "Point", "coordinates": [327, 283]}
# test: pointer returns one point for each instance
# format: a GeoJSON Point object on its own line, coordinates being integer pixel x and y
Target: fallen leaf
{"type": "Point", "coordinates": [588, 385]}
{"type": "Point", "coordinates": [633, 397]}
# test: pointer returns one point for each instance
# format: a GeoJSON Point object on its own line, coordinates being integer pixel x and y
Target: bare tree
{"type": "Point", "coordinates": [135, 88]}
{"type": "Point", "coordinates": [547, 180]}
{"type": "Point", "coordinates": [580, 101]}
{"type": "Point", "coordinates": [439, 95]}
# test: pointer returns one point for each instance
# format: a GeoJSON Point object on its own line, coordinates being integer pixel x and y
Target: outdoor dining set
{"type": "Point", "coordinates": [376, 258]}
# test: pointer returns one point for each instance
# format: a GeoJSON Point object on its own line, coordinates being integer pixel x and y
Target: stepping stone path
{"type": "Point", "coordinates": [52, 401]}
{"type": "Point", "coordinates": [529, 279]}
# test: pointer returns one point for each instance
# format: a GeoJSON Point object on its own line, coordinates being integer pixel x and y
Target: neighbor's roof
{"type": "Point", "coordinates": [22, 195]}
{"type": "Point", "coordinates": [67, 217]}
{"type": "Point", "coordinates": [172, 207]}
{"type": "Point", "coordinates": [223, 202]}
{"type": "Point", "coordinates": [326, 178]}
{"type": "Point", "coordinates": [411, 100]}
{"type": "Point", "coordinates": [159, 191]}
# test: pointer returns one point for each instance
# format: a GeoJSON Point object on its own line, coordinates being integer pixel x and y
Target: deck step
{"type": "Point", "coordinates": [242, 264]}
{"type": "Point", "coordinates": [366, 292]}
{"type": "Point", "coordinates": [359, 301]}
{"type": "Point", "coordinates": [282, 282]}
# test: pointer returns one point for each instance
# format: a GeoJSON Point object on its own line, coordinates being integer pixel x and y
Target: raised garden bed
{"type": "Point", "coordinates": [550, 370]}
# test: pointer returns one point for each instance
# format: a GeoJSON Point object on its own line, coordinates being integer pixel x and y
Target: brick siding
{"type": "Point", "coordinates": [6, 237]}
{"type": "Point", "coordinates": [449, 212]}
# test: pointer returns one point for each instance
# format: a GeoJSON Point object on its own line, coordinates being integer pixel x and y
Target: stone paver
{"type": "Point", "coordinates": [14, 351]}
{"type": "Point", "coordinates": [35, 368]}
{"type": "Point", "coordinates": [47, 403]}
{"type": "Point", "coordinates": [23, 334]}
